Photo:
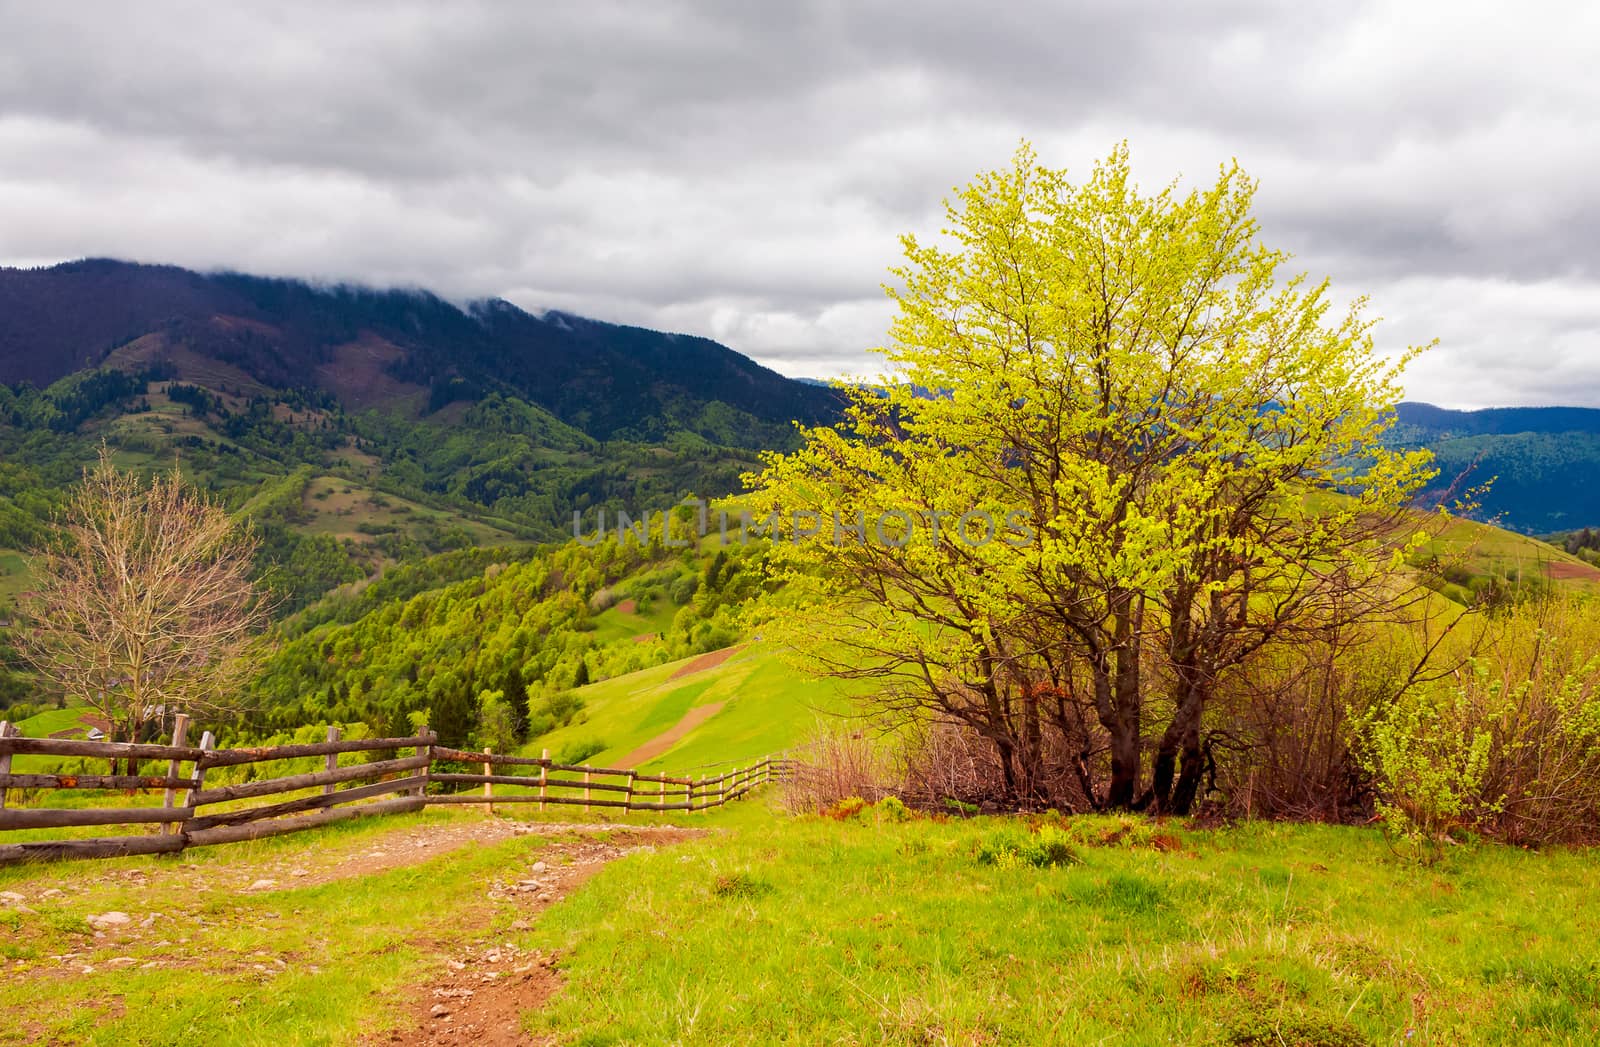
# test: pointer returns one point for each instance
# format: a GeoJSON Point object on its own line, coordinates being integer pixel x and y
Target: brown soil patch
{"type": "Point", "coordinates": [645, 637]}
{"type": "Point", "coordinates": [666, 739]}
{"type": "Point", "coordinates": [282, 869]}
{"type": "Point", "coordinates": [708, 661]}
{"type": "Point", "coordinates": [484, 990]}
{"type": "Point", "coordinates": [628, 607]}
{"type": "Point", "coordinates": [1562, 571]}
{"type": "Point", "coordinates": [358, 377]}
{"type": "Point", "coordinates": [188, 365]}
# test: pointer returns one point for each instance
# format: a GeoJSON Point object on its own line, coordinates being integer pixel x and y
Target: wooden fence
{"type": "Point", "coordinates": [193, 815]}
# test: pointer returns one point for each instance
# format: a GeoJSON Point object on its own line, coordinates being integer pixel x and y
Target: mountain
{"type": "Point", "coordinates": [1544, 462]}
{"type": "Point", "coordinates": [393, 349]}
{"type": "Point", "coordinates": [502, 421]}
{"type": "Point", "coordinates": [357, 428]}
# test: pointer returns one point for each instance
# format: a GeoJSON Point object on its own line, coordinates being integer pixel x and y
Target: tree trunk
{"type": "Point", "coordinates": [1005, 750]}
{"type": "Point", "coordinates": [1174, 784]}
{"type": "Point", "coordinates": [1188, 787]}
{"type": "Point", "coordinates": [1032, 749]}
{"type": "Point", "coordinates": [1125, 734]}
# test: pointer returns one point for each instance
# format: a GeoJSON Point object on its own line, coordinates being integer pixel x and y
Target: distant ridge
{"type": "Point", "coordinates": [426, 352]}
{"type": "Point", "coordinates": [1497, 421]}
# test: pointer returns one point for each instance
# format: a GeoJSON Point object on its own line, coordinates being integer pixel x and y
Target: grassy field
{"type": "Point", "coordinates": [814, 931]}
{"type": "Point", "coordinates": [340, 507]}
{"type": "Point", "coordinates": [1486, 551]}
{"type": "Point", "coordinates": [765, 706]}
{"type": "Point", "coordinates": [13, 573]}
{"type": "Point", "coordinates": [616, 624]}
{"type": "Point", "coordinates": [44, 724]}
{"type": "Point", "coordinates": [809, 930]}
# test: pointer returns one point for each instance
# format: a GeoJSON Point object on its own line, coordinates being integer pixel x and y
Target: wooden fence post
{"type": "Point", "coordinates": [207, 743]}
{"type": "Point", "coordinates": [425, 749]}
{"type": "Point", "coordinates": [689, 795]}
{"type": "Point", "coordinates": [544, 776]}
{"type": "Point", "coordinates": [332, 763]}
{"type": "Point", "coordinates": [180, 731]}
{"type": "Point", "coordinates": [586, 791]}
{"type": "Point", "coordinates": [631, 775]}
{"type": "Point", "coordinates": [661, 796]}
{"type": "Point", "coordinates": [488, 787]}
{"type": "Point", "coordinates": [5, 757]}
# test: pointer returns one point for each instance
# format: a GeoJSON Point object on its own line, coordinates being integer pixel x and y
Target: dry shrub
{"type": "Point", "coordinates": [837, 763]}
{"type": "Point", "coordinates": [1279, 733]}
{"type": "Point", "coordinates": [946, 762]}
{"type": "Point", "coordinates": [932, 767]}
{"type": "Point", "coordinates": [1502, 739]}
{"type": "Point", "coordinates": [1499, 735]}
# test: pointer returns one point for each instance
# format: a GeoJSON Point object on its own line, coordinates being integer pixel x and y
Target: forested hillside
{"type": "Point", "coordinates": [359, 428]}
{"type": "Point", "coordinates": [488, 651]}
{"type": "Point", "coordinates": [374, 441]}
{"type": "Point", "coordinates": [403, 459]}
{"type": "Point", "coordinates": [1539, 462]}
{"type": "Point", "coordinates": [404, 350]}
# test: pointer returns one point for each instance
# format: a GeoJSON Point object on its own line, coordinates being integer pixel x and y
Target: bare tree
{"type": "Point", "coordinates": [144, 600]}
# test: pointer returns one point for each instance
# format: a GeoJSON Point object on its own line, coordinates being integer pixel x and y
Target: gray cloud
{"type": "Point", "coordinates": [743, 171]}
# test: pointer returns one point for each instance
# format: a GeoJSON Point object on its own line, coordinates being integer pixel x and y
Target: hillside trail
{"type": "Point", "coordinates": [692, 719]}
{"type": "Point", "coordinates": [483, 984]}
{"type": "Point", "coordinates": [334, 859]}
{"type": "Point", "coordinates": [485, 988]}
{"type": "Point", "coordinates": [670, 737]}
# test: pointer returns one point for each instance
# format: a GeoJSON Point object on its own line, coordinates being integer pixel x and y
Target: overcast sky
{"type": "Point", "coordinates": [743, 170]}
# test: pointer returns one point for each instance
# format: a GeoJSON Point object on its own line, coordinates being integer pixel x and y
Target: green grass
{"type": "Point", "coordinates": [612, 625]}
{"type": "Point", "coordinates": [808, 930]}
{"type": "Point", "coordinates": [1487, 551]}
{"type": "Point", "coordinates": [13, 573]}
{"type": "Point", "coordinates": [43, 725]}
{"type": "Point", "coordinates": [766, 706]}
{"type": "Point", "coordinates": [816, 931]}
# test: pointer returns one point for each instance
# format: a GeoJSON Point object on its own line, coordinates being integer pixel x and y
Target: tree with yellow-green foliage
{"type": "Point", "coordinates": [1116, 454]}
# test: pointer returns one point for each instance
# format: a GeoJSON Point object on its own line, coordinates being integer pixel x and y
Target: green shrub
{"type": "Point", "coordinates": [1045, 847]}
{"type": "Point", "coordinates": [1429, 750]}
{"type": "Point", "coordinates": [890, 808]}
{"type": "Point", "coordinates": [580, 750]}
{"type": "Point", "coordinates": [684, 588]}
{"type": "Point", "coordinates": [1509, 745]}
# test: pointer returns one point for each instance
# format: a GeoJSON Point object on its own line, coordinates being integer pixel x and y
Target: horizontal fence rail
{"type": "Point", "coordinates": [394, 777]}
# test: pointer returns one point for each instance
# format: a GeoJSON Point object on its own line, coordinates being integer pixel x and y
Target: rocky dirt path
{"type": "Point", "coordinates": [487, 986]}
{"type": "Point", "coordinates": [485, 983]}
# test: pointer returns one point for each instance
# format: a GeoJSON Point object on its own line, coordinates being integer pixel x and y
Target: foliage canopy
{"type": "Point", "coordinates": [1174, 452]}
